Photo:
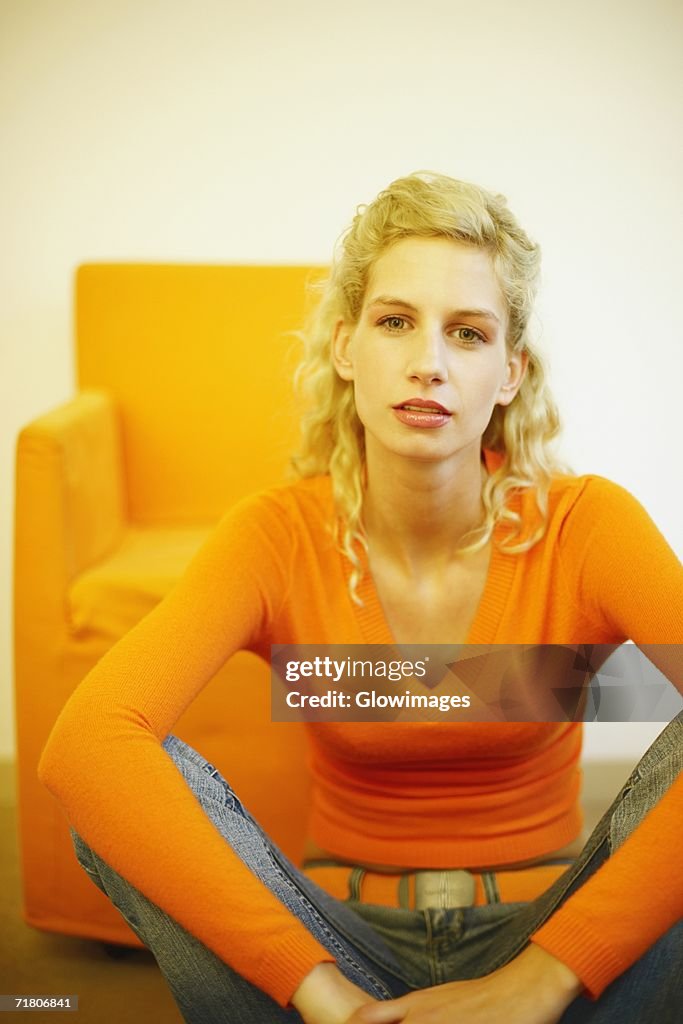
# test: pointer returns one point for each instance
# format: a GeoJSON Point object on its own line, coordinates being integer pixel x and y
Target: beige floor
{"type": "Point", "coordinates": [129, 990]}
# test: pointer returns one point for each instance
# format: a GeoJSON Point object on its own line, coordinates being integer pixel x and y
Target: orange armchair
{"type": "Point", "coordinates": [184, 406]}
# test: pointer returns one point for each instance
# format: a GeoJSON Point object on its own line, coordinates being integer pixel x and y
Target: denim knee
{"type": "Point", "coordinates": [359, 952]}
{"type": "Point", "coordinates": [656, 771]}
{"type": "Point", "coordinates": [206, 990]}
{"type": "Point", "coordinates": [649, 992]}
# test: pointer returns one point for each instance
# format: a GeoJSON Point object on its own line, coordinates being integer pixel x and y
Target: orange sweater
{"type": "Point", "coordinates": [475, 794]}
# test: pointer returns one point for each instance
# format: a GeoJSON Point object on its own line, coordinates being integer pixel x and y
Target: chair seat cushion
{"type": "Point", "coordinates": [111, 597]}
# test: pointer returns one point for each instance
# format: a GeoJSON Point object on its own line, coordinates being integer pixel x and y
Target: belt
{"type": "Point", "coordinates": [420, 890]}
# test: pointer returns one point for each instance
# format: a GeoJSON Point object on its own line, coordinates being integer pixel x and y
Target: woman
{"type": "Point", "coordinates": [446, 876]}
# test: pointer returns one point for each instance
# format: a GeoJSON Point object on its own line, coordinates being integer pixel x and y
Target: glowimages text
{"type": "Point", "coordinates": [372, 699]}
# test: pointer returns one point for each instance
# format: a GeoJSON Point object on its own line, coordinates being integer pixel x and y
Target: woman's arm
{"type": "Point", "coordinates": [104, 761]}
{"type": "Point", "coordinates": [628, 583]}
{"type": "Point", "coordinates": [631, 901]}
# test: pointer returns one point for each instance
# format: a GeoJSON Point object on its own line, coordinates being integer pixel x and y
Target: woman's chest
{"type": "Point", "coordinates": [433, 608]}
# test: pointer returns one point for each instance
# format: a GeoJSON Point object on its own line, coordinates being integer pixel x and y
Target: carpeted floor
{"type": "Point", "coordinates": [130, 989]}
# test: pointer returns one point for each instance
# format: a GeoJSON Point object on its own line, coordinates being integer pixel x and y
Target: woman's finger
{"type": "Point", "coordinates": [389, 1012]}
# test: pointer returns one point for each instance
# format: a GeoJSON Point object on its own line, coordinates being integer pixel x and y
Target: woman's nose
{"type": "Point", "coordinates": [427, 361]}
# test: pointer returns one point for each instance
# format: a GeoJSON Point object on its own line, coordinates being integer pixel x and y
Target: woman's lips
{"type": "Point", "coordinates": [418, 412]}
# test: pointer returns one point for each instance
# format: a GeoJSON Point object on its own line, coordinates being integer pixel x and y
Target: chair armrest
{"type": "Point", "coordinates": [70, 502]}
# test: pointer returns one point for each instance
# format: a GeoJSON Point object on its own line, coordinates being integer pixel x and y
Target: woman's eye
{"type": "Point", "coordinates": [393, 323]}
{"type": "Point", "coordinates": [468, 335]}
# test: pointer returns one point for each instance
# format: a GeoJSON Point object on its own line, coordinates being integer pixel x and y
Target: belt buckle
{"type": "Point", "coordinates": [444, 889]}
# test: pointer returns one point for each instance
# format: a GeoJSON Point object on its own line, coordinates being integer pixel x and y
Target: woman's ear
{"type": "Point", "coordinates": [341, 350]}
{"type": "Point", "coordinates": [516, 368]}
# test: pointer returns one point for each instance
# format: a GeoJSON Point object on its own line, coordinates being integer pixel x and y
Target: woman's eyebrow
{"type": "Point", "coordinates": [390, 300]}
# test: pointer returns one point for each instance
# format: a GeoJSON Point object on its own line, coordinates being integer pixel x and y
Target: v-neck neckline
{"type": "Point", "coordinates": [492, 603]}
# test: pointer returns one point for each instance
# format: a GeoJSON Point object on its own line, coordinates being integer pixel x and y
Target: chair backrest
{"type": "Point", "coordinates": [200, 359]}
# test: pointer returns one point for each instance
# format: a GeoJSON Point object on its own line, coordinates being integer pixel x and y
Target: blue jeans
{"type": "Point", "coordinates": [391, 951]}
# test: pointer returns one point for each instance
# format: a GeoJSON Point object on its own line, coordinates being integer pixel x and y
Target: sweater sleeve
{"type": "Point", "coordinates": [122, 793]}
{"type": "Point", "coordinates": [623, 574]}
{"type": "Point", "coordinates": [618, 567]}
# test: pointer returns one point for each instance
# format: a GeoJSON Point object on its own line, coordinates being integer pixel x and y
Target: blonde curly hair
{"type": "Point", "coordinates": [427, 205]}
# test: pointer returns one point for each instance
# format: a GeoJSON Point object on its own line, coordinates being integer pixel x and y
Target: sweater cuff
{"type": "Point", "coordinates": [574, 941]}
{"type": "Point", "coordinates": [285, 965]}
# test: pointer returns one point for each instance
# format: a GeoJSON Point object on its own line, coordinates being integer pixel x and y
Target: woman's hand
{"type": "Point", "coordinates": [534, 988]}
{"type": "Point", "coordinates": [325, 996]}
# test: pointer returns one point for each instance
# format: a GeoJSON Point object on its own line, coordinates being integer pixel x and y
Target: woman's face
{"type": "Point", "coordinates": [428, 357]}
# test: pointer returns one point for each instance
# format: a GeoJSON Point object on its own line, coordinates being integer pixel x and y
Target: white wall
{"type": "Point", "coordinates": [219, 131]}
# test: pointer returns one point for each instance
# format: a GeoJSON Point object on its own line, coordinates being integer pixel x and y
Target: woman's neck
{"type": "Point", "coordinates": [416, 512]}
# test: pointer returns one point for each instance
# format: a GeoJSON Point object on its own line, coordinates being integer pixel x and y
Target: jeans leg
{"type": "Point", "coordinates": [657, 769]}
{"type": "Point", "coordinates": [206, 989]}
{"type": "Point", "coordinates": [360, 952]}
{"type": "Point", "coordinates": [655, 772]}
{"type": "Point", "coordinates": [649, 992]}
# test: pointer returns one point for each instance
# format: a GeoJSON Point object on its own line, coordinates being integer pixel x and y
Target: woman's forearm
{"type": "Point", "coordinates": [325, 996]}
{"type": "Point", "coordinates": [549, 967]}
